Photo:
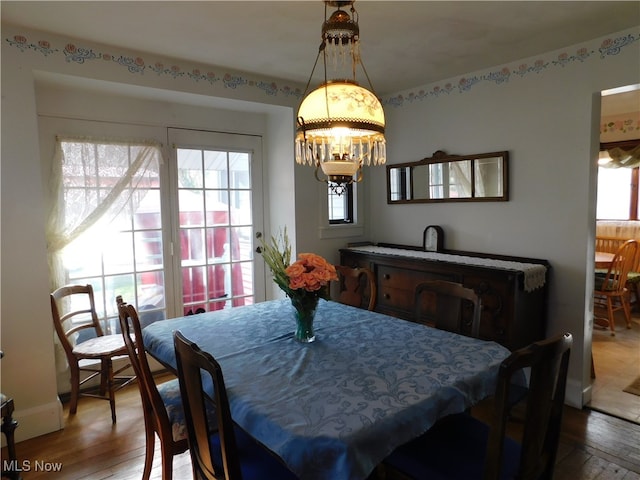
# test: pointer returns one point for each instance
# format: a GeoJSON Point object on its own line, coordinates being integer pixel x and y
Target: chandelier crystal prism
{"type": "Point", "coordinates": [340, 124]}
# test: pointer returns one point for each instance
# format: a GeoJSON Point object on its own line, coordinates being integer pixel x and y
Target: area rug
{"type": "Point", "coordinates": [634, 387]}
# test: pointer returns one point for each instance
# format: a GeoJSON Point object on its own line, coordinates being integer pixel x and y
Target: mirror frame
{"type": "Point", "coordinates": [442, 157]}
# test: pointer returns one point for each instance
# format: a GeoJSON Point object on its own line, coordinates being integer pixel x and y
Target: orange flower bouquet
{"type": "Point", "coordinates": [305, 281]}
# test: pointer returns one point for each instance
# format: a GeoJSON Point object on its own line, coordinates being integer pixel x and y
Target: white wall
{"type": "Point", "coordinates": [547, 121]}
{"type": "Point", "coordinates": [28, 370]}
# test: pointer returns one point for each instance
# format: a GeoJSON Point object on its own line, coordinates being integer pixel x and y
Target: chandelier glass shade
{"type": "Point", "coordinates": [340, 124]}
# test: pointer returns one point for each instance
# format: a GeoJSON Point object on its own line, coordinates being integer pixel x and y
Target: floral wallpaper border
{"type": "Point", "coordinates": [616, 128]}
{"type": "Point", "coordinates": [78, 54]}
{"type": "Point", "coordinates": [607, 48]}
{"type": "Point", "coordinates": [74, 53]}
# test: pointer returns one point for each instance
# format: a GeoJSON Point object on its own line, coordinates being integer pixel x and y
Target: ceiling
{"type": "Point", "coordinates": [404, 44]}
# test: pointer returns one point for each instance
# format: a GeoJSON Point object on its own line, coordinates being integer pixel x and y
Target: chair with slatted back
{"type": "Point", "coordinates": [356, 286]}
{"type": "Point", "coordinates": [226, 452]}
{"type": "Point", "coordinates": [610, 291]}
{"type": "Point", "coordinates": [448, 306]}
{"type": "Point", "coordinates": [633, 281]}
{"type": "Point", "coordinates": [453, 307]}
{"type": "Point", "coordinates": [161, 404]}
{"type": "Point", "coordinates": [462, 447]}
{"type": "Point", "coordinates": [74, 313]}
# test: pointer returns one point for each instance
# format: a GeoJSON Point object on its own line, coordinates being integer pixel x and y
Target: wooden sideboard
{"type": "Point", "coordinates": [513, 313]}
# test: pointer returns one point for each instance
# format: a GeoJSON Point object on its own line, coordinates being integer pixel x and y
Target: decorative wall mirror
{"type": "Point", "coordinates": [450, 178]}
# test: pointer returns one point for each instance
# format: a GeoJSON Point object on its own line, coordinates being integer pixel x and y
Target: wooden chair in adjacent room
{"type": "Point", "coordinates": [610, 291]}
{"type": "Point", "coordinates": [611, 245]}
{"type": "Point", "coordinates": [161, 403]}
{"type": "Point", "coordinates": [461, 447]}
{"type": "Point", "coordinates": [356, 286]}
{"type": "Point", "coordinates": [448, 306]}
{"type": "Point", "coordinates": [226, 452]}
{"type": "Point", "coordinates": [74, 312]}
{"type": "Point", "coordinates": [633, 281]}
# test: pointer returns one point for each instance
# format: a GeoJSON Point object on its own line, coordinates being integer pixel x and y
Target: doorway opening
{"type": "Point", "coordinates": [616, 357]}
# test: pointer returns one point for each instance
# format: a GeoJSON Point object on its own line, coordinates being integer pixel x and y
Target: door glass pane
{"type": "Point", "coordinates": [218, 244]}
{"type": "Point", "coordinates": [217, 202]}
{"type": "Point", "coordinates": [215, 169]}
{"type": "Point", "coordinates": [240, 207]}
{"type": "Point", "coordinates": [192, 246]}
{"type": "Point", "coordinates": [243, 280]}
{"type": "Point", "coordinates": [191, 208]}
{"type": "Point", "coordinates": [193, 286]}
{"type": "Point", "coordinates": [241, 244]}
{"type": "Point", "coordinates": [218, 283]}
{"type": "Point", "coordinates": [189, 168]}
{"type": "Point", "coordinates": [239, 173]}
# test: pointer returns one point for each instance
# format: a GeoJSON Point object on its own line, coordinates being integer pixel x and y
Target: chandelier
{"type": "Point", "coordinates": [340, 125]}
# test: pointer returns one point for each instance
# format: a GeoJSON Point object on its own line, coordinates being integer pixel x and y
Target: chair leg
{"type": "Point", "coordinates": [104, 377]}
{"type": "Point", "coordinates": [167, 462]}
{"type": "Point", "coordinates": [110, 390]}
{"type": "Point", "coordinates": [626, 305]}
{"type": "Point", "coordinates": [149, 450]}
{"type": "Point", "coordinates": [75, 388]}
{"type": "Point", "coordinates": [612, 323]}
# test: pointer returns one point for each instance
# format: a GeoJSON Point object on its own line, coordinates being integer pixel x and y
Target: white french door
{"type": "Point", "coordinates": [216, 209]}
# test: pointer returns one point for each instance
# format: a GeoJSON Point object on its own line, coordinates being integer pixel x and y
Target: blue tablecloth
{"type": "Point", "coordinates": [335, 408]}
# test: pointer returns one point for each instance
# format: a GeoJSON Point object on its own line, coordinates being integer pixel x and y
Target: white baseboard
{"type": "Point", "coordinates": [575, 396]}
{"type": "Point", "coordinates": [38, 420]}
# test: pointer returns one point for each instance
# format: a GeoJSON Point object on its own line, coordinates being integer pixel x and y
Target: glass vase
{"type": "Point", "coordinates": [305, 311]}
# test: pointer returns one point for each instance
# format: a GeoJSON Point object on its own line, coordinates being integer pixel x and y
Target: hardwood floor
{"type": "Point", "coordinates": [593, 446]}
{"type": "Point", "coordinates": [617, 364]}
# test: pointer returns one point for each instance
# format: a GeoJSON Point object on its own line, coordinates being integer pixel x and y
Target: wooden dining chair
{"type": "Point", "coordinates": [161, 403]}
{"type": "Point", "coordinates": [461, 447]}
{"type": "Point", "coordinates": [74, 312]}
{"type": "Point", "coordinates": [226, 451]}
{"type": "Point", "coordinates": [610, 291]}
{"type": "Point", "coordinates": [633, 281]}
{"type": "Point", "coordinates": [448, 306]}
{"type": "Point", "coordinates": [356, 286]}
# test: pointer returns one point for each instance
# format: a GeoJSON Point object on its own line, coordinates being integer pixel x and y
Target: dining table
{"type": "Point", "coordinates": [603, 259]}
{"type": "Point", "coordinates": [333, 409]}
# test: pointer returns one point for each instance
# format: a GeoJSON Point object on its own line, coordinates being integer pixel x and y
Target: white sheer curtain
{"type": "Point", "coordinates": [92, 180]}
{"type": "Point", "coordinates": [487, 177]}
{"type": "Point", "coordinates": [461, 176]}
